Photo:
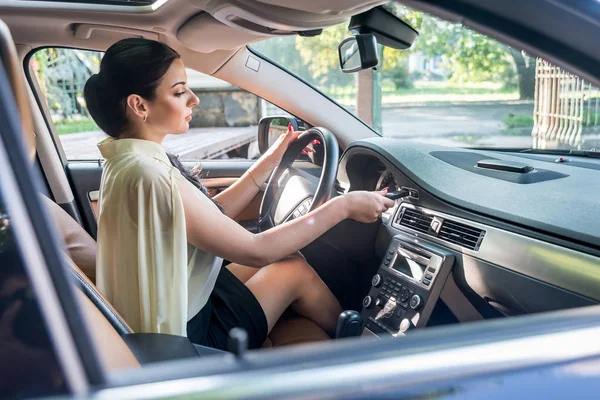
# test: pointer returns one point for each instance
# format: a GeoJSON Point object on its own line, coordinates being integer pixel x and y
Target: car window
{"type": "Point", "coordinates": [223, 125]}
{"type": "Point", "coordinates": [452, 87]}
{"type": "Point", "coordinates": [28, 365]}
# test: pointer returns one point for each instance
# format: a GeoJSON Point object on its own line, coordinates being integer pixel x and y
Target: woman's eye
{"type": "Point", "coordinates": [179, 94]}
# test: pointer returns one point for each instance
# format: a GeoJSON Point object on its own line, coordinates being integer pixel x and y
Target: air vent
{"type": "Point", "coordinates": [461, 234]}
{"type": "Point", "coordinates": [416, 220]}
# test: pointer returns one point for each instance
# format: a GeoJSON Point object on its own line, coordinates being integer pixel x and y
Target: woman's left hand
{"type": "Point", "coordinates": [275, 153]}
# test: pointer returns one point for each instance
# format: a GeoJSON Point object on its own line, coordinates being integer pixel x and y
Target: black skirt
{"type": "Point", "coordinates": [230, 305]}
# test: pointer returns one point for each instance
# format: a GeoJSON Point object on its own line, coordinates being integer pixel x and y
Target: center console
{"type": "Point", "coordinates": [405, 288]}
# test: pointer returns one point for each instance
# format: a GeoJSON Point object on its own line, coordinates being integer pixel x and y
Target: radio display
{"type": "Point", "coordinates": [405, 265]}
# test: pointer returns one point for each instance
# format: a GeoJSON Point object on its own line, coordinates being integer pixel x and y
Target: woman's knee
{"type": "Point", "coordinates": [301, 273]}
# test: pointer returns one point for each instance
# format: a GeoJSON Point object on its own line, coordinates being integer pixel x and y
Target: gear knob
{"type": "Point", "coordinates": [349, 324]}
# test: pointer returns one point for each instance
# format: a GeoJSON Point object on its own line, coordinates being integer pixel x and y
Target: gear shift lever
{"type": "Point", "coordinates": [349, 324]}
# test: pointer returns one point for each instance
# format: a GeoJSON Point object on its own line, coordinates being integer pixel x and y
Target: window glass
{"type": "Point", "coordinates": [452, 87]}
{"type": "Point", "coordinates": [224, 124]}
{"type": "Point", "coordinates": [28, 366]}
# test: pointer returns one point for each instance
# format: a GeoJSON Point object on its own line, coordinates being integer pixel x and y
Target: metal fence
{"type": "Point", "coordinates": [566, 108]}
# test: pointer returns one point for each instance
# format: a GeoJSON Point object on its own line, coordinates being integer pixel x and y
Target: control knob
{"type": "Point", "coordinates": [376, 280]}
{"type": "Point", "coordinates": [415, 302]}
{"type": "Point", "coordinates": [367, 301]}
{"type": "Point", "coordinates": [405, 325]}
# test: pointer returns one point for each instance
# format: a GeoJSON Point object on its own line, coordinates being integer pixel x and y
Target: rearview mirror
{"type": "Point", "coordinates": [388, 29]}
{"type": "Point", "coordinates": [358, 52]}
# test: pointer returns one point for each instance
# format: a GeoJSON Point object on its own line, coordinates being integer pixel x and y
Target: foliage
{"type": "Point", "coordinates": [62, 74]}
{"type": "Point", "coordinates": [517, 124]}
{"type": "Point", "coordinates": [400, 77]}
{"type": "Point", "coordinates": [511, 120]}
{"type": "Point", "coordinates": [75, 125]}
{"type": "Point", "coordinates": [465, 54]}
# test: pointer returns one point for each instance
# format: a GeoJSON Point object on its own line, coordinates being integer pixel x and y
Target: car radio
{"type": "Point", "coordinates": [405, 288]}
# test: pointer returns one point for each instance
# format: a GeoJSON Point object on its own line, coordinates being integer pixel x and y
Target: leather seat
{"type": "Point", "coordinates": [81, 252]}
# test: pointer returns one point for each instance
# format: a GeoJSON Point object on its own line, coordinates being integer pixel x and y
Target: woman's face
{"type": "Point", "coordinates": [171, 109]}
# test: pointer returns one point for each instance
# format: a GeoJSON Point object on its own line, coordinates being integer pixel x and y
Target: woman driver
{"type": "Point", "coordinates": [162, 240]}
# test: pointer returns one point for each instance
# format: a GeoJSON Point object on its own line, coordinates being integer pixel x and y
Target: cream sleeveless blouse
{"type": "Point", "coordinates": [145, 266]}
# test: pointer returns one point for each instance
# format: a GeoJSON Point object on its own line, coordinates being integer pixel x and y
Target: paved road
{"type": "Point", "coordinates": [197, 143]}
{"type": "Point", "coordinates": [443, 123]}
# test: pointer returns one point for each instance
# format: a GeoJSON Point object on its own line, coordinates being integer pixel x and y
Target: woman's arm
{"type": "Point", "coordinates": [239, 195]}
{"type": "Point", "coordinates": [210, 230]}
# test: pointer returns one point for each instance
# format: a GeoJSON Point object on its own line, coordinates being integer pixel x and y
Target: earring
{"type": "Point", "coordinates": [145, 118]}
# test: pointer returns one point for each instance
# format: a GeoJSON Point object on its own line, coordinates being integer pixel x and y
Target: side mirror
{"type": "Point", "coordinates": [358, 52]}
{"type": "Point", "coordinates": [270, 128]}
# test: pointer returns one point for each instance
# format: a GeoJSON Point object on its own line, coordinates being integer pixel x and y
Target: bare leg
{"type": "Point", "coordinates": [242, 272]}
{"type": "Point", "coordinates": [292, 282]}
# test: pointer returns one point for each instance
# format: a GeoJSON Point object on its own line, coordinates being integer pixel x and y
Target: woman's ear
{"type": "Point", "coordinates": [138, 105]}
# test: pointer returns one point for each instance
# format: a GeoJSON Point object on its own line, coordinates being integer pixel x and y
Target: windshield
{"type": "Point", "coordinates": [452, 87]}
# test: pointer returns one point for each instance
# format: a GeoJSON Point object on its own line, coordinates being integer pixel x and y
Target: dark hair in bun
{"type": "Point", "coordinates": [131, 66]}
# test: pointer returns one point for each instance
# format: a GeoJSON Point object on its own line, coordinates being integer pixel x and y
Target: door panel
{"type": "Point", "coordinates": [85, 177]}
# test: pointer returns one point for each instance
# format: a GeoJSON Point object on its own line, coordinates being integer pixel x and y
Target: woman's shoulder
{"type": "Point", "coordinates": [143, 169]}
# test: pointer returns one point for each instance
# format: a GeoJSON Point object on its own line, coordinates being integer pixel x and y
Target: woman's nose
{"type": "Point", "coordinates": [194, 100]}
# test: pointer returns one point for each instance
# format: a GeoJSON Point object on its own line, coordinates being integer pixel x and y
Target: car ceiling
{"type": "Point", "coordinates": [206, 33]}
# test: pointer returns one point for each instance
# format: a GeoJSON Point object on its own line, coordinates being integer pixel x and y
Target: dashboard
{"type": "Point", "coordinates": [487, 233]}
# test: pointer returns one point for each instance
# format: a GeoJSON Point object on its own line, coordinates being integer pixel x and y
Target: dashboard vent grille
{"type": "Point", "coordinates": [461, 234]}
{"type": "Point", "coordinates": [416, 220]}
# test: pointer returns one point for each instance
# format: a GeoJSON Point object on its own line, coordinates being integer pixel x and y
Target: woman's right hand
{"type": "Point", "coordinates": [366, 206]}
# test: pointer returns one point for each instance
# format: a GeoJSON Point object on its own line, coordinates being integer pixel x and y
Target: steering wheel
{"type": "Point", "coordinates": [291, 192]}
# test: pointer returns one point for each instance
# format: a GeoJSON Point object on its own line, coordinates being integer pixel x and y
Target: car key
{"type": "Point", "coordinates": [398, 195]}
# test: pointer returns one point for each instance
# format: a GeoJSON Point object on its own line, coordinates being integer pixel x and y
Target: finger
{"type": "Point", "coordinates": [389, 203]}
{"type": "Point", "coordinates": [309, 149]}
{"type": "Point", "coordinates": [304, 152]}
{"type": "Point", "coordinates": [296, 134]}
{"type": "Point", "coordinates": [316, 141]}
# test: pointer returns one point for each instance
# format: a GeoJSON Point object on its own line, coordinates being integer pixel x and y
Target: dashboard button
{"type": "Point", "coordinates": [415, 302]}
{"type": "Point", "coordinates": [431, 269]}
{"type": "Point", "coordinates": [406, 324]}
{"type": "Point", "coordinates": [405, 295]}
{"type": "Point", "coordinates": [376, 280]}
{"type": "Point", "coordinates": [426, 282]}
{"type": "Point", "coordinates": [367, 301]}
{"type": "Point", "coordinates": [428, 276]}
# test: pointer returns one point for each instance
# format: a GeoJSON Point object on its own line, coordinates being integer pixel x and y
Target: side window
{"type": "Point", "coordinates": [28, 366]}
{"type": "Point", "coordinates": [224, 124]}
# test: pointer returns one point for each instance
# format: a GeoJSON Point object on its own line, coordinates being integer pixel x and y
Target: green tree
{"type": "Point", "coordinates": [320, 56]}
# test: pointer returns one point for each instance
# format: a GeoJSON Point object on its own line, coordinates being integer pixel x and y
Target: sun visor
{"type": "Point", "coordinates": [205, 34]}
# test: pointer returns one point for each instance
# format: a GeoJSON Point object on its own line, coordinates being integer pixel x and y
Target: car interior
{"type": "Point", "coordinates": [476, 234]}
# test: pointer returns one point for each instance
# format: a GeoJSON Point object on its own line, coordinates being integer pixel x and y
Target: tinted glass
{"type": "Point", "coordinates": [28, 366]}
